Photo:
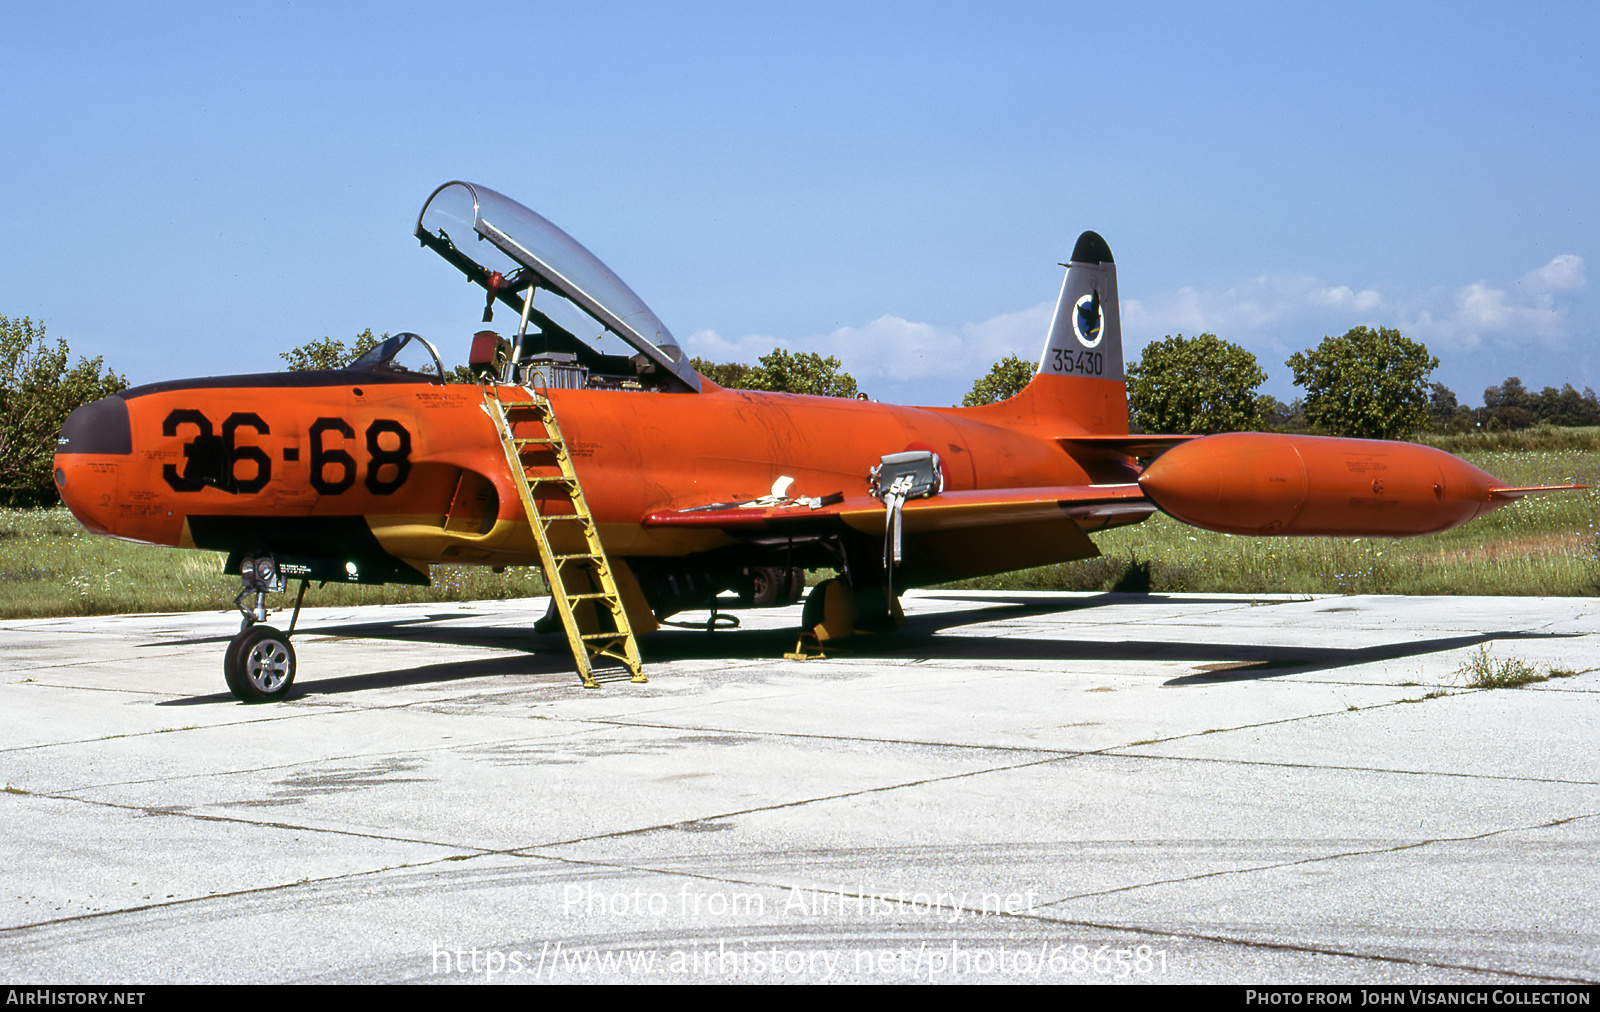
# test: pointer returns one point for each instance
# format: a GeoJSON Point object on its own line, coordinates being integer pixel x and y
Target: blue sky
{"type": "Point", "coordinates": [191, 189]}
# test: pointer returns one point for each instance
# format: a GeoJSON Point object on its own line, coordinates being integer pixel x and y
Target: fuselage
{"type": "Point", "coordinates": [286, 461]}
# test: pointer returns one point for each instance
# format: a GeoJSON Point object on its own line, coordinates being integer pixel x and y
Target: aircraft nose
{"type": "Point", "coordinates": [93, 443]}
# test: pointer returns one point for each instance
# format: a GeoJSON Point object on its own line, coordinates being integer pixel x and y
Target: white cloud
{"type": "Point", "coordinates": [1261, 308]}
{"type": "Point", "coordinates": [712, 346]}
{"type": "Point", "coordinates": [900, 350]}
{"type": "Point", "coordinates": [1481, 313]}
{"type": "Point", "coordinates": [1271, 315]}
{"type": "Point", "coordinates": [1564, 273]}
{"type": "Point", "coordinates": [1342, 297]}
{"type": "Point", "coordinates": [1274, 312]}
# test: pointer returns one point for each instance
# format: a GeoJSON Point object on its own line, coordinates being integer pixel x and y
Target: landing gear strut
{"type": "Point", "coordinates": [259, 663]}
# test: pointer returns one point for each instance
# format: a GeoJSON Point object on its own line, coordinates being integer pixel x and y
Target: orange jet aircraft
{"type": "Point", "coordinates": [592, 448]}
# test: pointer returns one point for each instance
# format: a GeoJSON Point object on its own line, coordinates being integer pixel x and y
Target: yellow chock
{"type": "Point", "coordinates": [806, 648]}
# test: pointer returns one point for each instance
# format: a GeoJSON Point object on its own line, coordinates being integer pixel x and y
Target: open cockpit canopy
{"type": "Point", "coordinates": [544, 275]}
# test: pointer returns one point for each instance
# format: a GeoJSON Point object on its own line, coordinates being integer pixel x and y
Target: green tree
{"type": "Point", "coordinates": [1195, 385]}
{"type": "Point", "coordinates": [330, 353]}
{"type": "Point", "coordinates": [1006, 379]}
{"type": "Point", "coordinates": [37, 393]}
{"type": "Point", "coordinates": [1445, 413]}
{"type": "Point", "coordinates": [803, 372]}
{"type": "Point", "coordinates": [1567, 407]}
{"type": "Point", "coordinates": [1370, 384]}
{"type": "Point", "coordinates": [1277, 416]}
{"type": "Point", "coordinates": [733, 375]}
{"type": "Point", "coordinates": [1509, 406]}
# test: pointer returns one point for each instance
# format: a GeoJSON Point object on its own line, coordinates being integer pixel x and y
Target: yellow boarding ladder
{"type": "Point", "coordinates": [582, 585]}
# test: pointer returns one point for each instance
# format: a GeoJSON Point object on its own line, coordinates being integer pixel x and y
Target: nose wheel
{"type": "Point", "coordinates": [259, 664]}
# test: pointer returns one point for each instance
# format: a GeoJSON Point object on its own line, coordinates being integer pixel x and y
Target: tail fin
{"type": "Point", "coordinates": [1086, 335]}
{"type": "Point", "coordinates": [1079, 387]}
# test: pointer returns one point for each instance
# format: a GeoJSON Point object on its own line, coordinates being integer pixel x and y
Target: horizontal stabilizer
{"type": "Point", "coordinates": [1133, 446]}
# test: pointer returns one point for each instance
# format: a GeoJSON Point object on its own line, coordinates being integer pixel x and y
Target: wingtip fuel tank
{"type": "Point", "coordinates": [1318, 486]}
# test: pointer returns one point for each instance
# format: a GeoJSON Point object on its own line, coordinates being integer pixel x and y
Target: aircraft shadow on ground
{"type": "Point", "coordinates": [534, 654]}
{"type": "Point", "coordinates": [388, 629]}
{"type": "Point", "coordinates": [427, 674]}
{"type": "Point", "coordinates": [925, 636]}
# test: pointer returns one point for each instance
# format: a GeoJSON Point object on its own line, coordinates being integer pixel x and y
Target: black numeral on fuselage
{"type": "Point", "coordinates": [333, 468]}
{"type": "Point", "coordinates": [379, 459]}
{"type": "Point", "coordinates": [322, 456]}
{"type": "Point", "coordinates": [254, 454]}
{"type": "Point", "coordinates": [185, 416]}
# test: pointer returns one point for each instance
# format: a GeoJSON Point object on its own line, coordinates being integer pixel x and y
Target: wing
{"type": "Point", "coordinates": [950, 536]}
{"type": "Point", "coordinates": [943, 512]}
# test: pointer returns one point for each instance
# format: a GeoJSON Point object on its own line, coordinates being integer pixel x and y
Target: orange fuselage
{"type": "Point", "coordinates": [421, 465]}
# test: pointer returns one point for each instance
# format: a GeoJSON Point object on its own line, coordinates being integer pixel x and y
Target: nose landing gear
{"type": "Point", "coordinates": [259, 664]}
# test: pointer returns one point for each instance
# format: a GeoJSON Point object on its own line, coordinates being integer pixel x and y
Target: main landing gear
{"type": "Point", "coordinates": [259, 663]}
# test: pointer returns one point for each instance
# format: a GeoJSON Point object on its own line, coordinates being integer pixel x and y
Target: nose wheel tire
{"type": "Point", "coordinates": [259, 665]}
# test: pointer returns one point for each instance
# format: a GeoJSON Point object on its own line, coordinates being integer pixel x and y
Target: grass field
{"type": "Point", "coordinates": [1549, 545]}
{"type": "Point", "coordinates": [49, 565]}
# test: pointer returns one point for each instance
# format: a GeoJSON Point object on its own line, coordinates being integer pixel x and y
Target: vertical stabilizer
{"type": "Point", "coordinates": [1086, 334]}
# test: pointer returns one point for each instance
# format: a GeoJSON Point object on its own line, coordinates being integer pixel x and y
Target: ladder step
{"type": "Point", "coordinates": [598, 567]}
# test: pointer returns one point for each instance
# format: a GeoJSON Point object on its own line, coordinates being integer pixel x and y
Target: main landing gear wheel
{"type": "Point", "coordinates": [259, 665]}
{"type": "Point", "coordinates": [764, 587]}
{"type": "Point", "coordinates": [768, 586]}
